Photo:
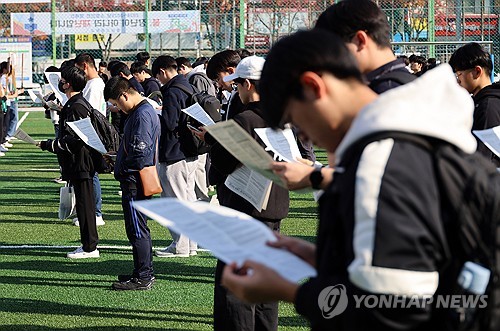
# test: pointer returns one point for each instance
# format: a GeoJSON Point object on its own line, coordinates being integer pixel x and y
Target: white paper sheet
{"type": "Point", "coordinates": [199, 114]}
{"type": "Point", "coordinates": [280, 142]}
{"type": "Point", "coordinates": [230, 235]}
{"type": "Point", "coordinates": [153, 103]}
{"type": "Point", "coordinates": [491, 138]}
{"type": "Point", "coordinates": [251, 186]}
{"type": "Point", "coordinates": [84, 129]}
{"type": "Point", "coordinates": [54, 78]}
{"type": "Point", "coordinates": [244, 147]}
{"type": "Point", "coordinates": [21, 135]}
{"type": "Point", "coordinates": [36, 96]}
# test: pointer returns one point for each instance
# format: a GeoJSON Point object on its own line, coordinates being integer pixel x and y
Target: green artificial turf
{"type": "Point", "coordinates": [40, 289]}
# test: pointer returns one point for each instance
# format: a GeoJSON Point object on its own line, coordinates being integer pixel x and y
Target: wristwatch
{"type": "Point", "coordinates": [316, 178]}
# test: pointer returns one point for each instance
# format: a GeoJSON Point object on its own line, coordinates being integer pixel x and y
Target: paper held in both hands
{"type": "Point", "coordinates": [230, 235]}
{"type": "Point", "coordinates": [85, 131]}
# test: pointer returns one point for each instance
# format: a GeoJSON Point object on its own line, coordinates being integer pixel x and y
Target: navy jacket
{"type": "Point", "coordinates": [138, 145]}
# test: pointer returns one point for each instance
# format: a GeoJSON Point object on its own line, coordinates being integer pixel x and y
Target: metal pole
{"type": "Point", "coordinates": [53, 27]}
{"type": "Point", "coordinates": [431, 33]}
{"type": "Point", "coordinates": [179, 35]}
{"type": "Point", "coordinates": [458, 19]}
{"type": "Point", "coordinates": [146, 27]}
{"type": "Point", "coordinates": [242, 23]}
{"type": "Point", "coordinates": [233, 26]}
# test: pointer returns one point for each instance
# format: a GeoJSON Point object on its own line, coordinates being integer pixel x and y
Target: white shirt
{"type": "Point", "coordinates": [94, 94]}
{"type": "Point", "coordinates": [3, 81]}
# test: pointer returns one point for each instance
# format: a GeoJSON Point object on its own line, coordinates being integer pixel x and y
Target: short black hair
{"type": "Point", "coordinates": [142, 57]}
{"type": "Point", "coordinates": [75, 77]}
{"type": "Point", "coordinates": [111, 64]}
{"type": "Point", "coordinates": [4, 65]}
{"type": "Point", "coordinates": [347, 17]}
{"type": "Point", "coordinates": [314, 50]}
{"type": "Point", "coordinates": [469, 56]}
{"type": "Point", "coordinates": [164, 62]}
{"type": "Point", "coordinates": [103, 64]}
{"type": "Point", "coordinates": [85, 57]}
{"type": "Point", "coordinates": [116, 86]}
{"type": "Point", "coordinates": [183, 61]}
{"type": "Point", "coordinates": [67, 63]}
{"type": "Point", "coordinates": [221, 61]}
{"type": "Point", "coordinates": [118, 68]}
{"type": "Point", "coordinates": [200, 60]}
{"type": "Point", "coordinates": [243, 53]}
{"type": "Point", "coordinates": [138, 67]}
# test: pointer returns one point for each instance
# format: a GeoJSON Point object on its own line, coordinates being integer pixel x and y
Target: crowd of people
{"type": "Point", "coordinates": [340, 86]}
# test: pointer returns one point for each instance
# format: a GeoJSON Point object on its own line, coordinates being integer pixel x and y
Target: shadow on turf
{"type": "Point", "coordinates": [11, 305]}
{"type": "Point", "coordinates": [164, 269]}
{"type": "Point", "coordinates": [32, 327]}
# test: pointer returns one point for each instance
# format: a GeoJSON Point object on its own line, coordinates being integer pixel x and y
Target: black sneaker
{"type": "Point", "coordinates": [126, 278]}
{"type": "Point", "coordinates": [134, 284]}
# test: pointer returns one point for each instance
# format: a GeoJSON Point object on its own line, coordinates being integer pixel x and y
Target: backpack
{"type": "Point", "coordinates": [469, 185]}
{"type": "Point", "coordinates": [106, 132]}
{"type": "Point", "coordinates": [398, 76]}
{"type": "Point", "coordinates": [191, 145]}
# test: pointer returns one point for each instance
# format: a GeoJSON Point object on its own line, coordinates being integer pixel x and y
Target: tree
{"type": "Point", "coordinates": [105, 46]}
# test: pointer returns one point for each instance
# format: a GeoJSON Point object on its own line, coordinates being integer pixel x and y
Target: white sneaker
{"type": "Point", "coordinates": [7, 144]}
{"type": "Point", "coordinates": [2, 154]}
{"type": "Point", "coordinates": [3, 148]}
{"type": "Point", "coordinates": [98, 221]}
{"type": "Point", "coordinates": [79, 253]}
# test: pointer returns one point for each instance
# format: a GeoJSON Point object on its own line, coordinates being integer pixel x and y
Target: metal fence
{"type": "Point", "coordinates": [48, 31]}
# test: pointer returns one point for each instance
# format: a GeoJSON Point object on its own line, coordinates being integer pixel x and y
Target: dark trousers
{"type": "Point", "coordinates": [137, 230]}
{"type": "Point", "coordinates": [230, 313]}
{"type": "Point", "coordinates": [85, 211]}
{"type": "Point", "coordinates": [2, 128]}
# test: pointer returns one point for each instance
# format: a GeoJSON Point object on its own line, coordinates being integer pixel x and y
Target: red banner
{"type": "Point", "coordinates": [446, 25]}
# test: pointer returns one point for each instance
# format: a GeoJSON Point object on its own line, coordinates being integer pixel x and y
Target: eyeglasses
{"type": "Point", "coordinates": [459, 73]}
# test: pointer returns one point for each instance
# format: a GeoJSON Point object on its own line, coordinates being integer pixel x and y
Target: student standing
{"type": "Point", "coordinates": [137, 150]}
{"type": "Point", "coordinates": [76, 161]}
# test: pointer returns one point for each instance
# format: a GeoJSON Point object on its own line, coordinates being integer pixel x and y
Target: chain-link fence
{"type": "Point", "coordinates": [43, 32]}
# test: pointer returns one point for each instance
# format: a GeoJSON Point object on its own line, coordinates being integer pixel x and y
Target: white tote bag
{"type": "Point", "coordinates": [66, 202]}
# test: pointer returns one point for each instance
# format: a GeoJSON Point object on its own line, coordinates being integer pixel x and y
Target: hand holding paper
{"type": "Point", "coordinates": [280, 142]}
{"type": "Point", "coordinates": [231, 236]}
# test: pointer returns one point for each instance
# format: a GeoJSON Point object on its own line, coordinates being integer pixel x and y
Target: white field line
{"type": "Point", "coordinates": [69, 247]}
{"type": "Point", "coordinates": [22, 120]}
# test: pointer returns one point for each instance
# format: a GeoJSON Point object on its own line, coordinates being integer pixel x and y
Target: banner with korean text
{"type": "Point", "coordinates": [182, 21]}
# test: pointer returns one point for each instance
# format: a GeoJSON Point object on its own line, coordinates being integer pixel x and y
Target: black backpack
{"type": "Point", "coordinates": [190, 144]}
{"type": "Point", "coordinates": [106, 132]}
{"type": "Point", "coordinates": [470, 186]}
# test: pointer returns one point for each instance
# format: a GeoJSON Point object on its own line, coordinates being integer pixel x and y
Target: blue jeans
{"type": "Point", "coordinates": [12, 119]}
{"type": "Point", "coordinates": [97, 195]}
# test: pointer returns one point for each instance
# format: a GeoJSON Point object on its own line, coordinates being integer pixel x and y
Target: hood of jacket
{"type": "Point", "coordinates": [492, 90]}
{"type": "Point", "coordinates": [433, 105]}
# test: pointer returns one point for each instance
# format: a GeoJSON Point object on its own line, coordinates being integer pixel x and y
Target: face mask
{"type": "Point", "coordinates": [60, 87]}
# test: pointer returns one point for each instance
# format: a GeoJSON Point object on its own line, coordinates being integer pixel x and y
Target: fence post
{"type": "Point", "coordinates": [53, 27]}
{"type": "Point", "coordinates": [431, 34]}
{"type": "Point", "coordinates": [242, 23]}
{"type": "Point", "coordinates": [147, 41]}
